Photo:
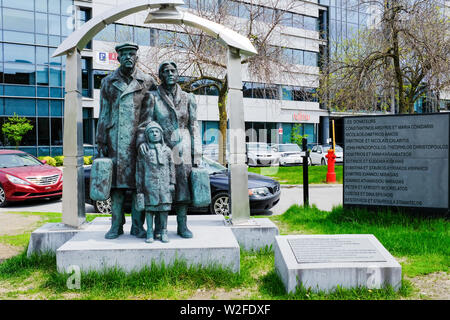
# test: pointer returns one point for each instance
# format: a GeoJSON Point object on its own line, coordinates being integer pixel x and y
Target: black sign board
{"type": "Point", "coordinates": [397, 161]}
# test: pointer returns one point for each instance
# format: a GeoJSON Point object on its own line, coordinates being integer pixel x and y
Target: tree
{"type": "Point", "coordinates": [204, 60]}
{"type": "Point", "coordinates": [16, 128]}
{"type": "Point", "coordinates": [398, 59]}
{"type": "Point", "coordinates": [296, 137]}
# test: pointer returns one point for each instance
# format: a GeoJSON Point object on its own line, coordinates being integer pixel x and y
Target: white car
{"type": "Point", "coordinates": [318, 154]}
{"type": "Point", "coordinates": [261, 154]}
{"type": "Point", "coordinates": [290, 153]}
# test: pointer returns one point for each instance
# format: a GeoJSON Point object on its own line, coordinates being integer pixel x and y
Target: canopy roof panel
{"type": "Point", "coordinates": [167, 13]}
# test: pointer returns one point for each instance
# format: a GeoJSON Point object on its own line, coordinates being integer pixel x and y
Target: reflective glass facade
{"type": "Point", "coordinates": [31, 82]}
{"type": "Point", "coordinates": [346, 18]}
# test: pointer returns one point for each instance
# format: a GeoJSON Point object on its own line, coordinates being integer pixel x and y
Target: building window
{"type": "Point", "coordinates": [124, 33]}
{"type": "Point", "coordinates": [19, 73]}
{"type": "Point", "coordinates": [88, 135]}
{"type": "Point", "coordinates": [84, 15]}
{"type": "Point", "coordinates": [310, 58]}
{"type": "Point", "coordinates": [86, 77]}
{"type": "Point", "coordinates": [107, 34]}
{"type": "Point", "coordinates": [44, 131]}
{"type": "Point", "coordinates": [56, 131]}
{"type": "Point", "coordinates": [98, 77]}
{"type": "Point", "coordinates": [42, 108]}
{"type": "Point", "coordinates": [142, 36]}
{"type": "Point", "coordinates": [18, 20]}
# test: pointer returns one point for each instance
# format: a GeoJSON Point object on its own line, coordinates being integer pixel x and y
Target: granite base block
{"type": "Point", "coordinates": [256, 234]}
{"type": "Point", "coordinates": [347, 261]}
{"type": "Point", "coordinates": [50, 237]}
{"type": "Point", "coordinates": [213, 244]}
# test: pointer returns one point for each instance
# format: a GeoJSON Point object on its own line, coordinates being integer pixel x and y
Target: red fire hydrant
{"type": "Point", "coordinates": [331, 175]}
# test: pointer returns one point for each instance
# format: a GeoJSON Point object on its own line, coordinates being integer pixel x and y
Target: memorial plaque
{"type": "Point", "coordinates": [397, 160]}
{"type": "Point", "coordinates": [326, 262]}
{"type": "Point", "coordinates": [334, 250]}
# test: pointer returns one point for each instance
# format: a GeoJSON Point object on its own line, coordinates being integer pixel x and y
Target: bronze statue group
{"type": "Point", "coordinates": [150, 134]}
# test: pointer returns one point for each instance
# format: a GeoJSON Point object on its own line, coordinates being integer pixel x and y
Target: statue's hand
{"type": "Point", "coordinates": [143, 149]}
{"type": "Point", "coordinates": [172, 188]}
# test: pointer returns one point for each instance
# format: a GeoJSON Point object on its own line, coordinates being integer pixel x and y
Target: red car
{"type": "Point", "coordinates": [24, 177]}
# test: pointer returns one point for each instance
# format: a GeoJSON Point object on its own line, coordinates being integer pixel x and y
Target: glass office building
{"type": "Point", "coordinates": [32, 83]}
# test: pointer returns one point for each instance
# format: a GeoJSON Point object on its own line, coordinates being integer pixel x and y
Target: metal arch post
{"type": "Point", "coordinates": [73, 206]}
{"type": "Point", "coordinates": [238, 170]}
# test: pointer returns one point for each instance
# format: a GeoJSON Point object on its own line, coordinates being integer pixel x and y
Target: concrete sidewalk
{"type": "Point", "coordinates": [324, 196]}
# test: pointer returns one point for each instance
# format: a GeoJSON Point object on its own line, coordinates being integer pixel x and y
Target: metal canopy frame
{"type": "Point", "coordinates": [167, 13]}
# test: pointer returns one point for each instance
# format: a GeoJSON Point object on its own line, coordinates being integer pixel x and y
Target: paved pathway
{"type": "Point", "coordinates": [40, 206]}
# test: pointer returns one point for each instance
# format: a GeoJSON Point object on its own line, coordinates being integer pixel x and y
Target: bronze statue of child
{"type": "Point", "coordinates": [155, 180]}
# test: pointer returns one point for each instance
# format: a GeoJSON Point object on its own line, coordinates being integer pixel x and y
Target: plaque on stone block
{"type": "Point", "coordinates": [334, 250]}
{"type": "Point", "coordinates": [326, 262]}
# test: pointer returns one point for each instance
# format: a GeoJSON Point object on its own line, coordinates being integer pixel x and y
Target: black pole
{"type": "Point", "coordinates": [305, 173]}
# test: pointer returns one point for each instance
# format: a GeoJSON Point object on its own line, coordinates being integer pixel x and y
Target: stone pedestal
{"type": "Point", "coordinates": [50, 237]}
{"type": "Point", "coordinates": [255, 234]}
{"type": "Point", "coordinates": [213, 244]}
{"type": "Point", "coordinates": [323, 262]}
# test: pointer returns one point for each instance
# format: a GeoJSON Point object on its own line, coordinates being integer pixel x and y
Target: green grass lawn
{"type": "Point", "coordinates": [420, 244]}
{"type": "Point", "coordinates": [294, 174]}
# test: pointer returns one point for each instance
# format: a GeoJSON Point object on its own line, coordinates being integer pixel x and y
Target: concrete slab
{"type": "Point", "coordinates": [213, 244]}
{"type": "Point", "coordinates": [51, 236]}
{"type": "Point", "coordinates": [323, 262]}
{"type": "Point", "coordinates": [255, 234]}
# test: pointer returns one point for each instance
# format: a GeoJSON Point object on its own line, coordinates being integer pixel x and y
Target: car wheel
{"type": "Point", "coordinates": [3, 201]}
{"type": "Point", "coordinates": [103, 207]}
{"type": "Point", "coordinates": [323, 162]}
{"type": "Point", "coordinates": [220, 204]}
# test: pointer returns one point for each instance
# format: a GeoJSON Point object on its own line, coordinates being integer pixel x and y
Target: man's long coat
{"type": "Point", "coordinates": [120, 113]}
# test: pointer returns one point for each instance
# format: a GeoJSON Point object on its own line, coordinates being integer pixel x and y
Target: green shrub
{"type": "Point", "coordinates": [50, 160]}
{"type": "Point", "coordinates": [87, 160]}
{"type": "Point", "coordinates": [59, 160]}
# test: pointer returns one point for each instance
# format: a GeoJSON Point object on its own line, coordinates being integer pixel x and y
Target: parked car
{"type": "Point", "coordinates": [290, 153]}
{"type": "Point", "coordinates": [24, 177]}
{"type": "Point", "coordinates": [260, 153]}
{"type": "Point", "coordinates": [264, 192]}
{"type": "Point", "coordinates": [318, 154]}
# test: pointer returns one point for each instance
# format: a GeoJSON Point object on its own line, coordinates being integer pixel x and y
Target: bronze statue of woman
{"type": "Point", "coordinates": [176, 112]}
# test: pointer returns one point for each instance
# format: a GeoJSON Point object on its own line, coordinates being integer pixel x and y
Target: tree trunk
{"type": "Point", "coordinates": [222, 126]}
{"type": "Point", "coordinates": [403, 108]}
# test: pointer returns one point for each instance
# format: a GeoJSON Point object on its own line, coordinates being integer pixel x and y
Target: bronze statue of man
{"type": "Point", "coordinates": [121, 101]}
{"type": "Point", "coordinates": [176, 113]}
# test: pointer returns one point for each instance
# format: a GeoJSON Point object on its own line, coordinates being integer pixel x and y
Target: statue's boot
{"type": "Point", "coordinates": [157, 232]}
{"type": "Point", "coordinates": [163, 217]}
{"type": "Point", "coordinates": [182, 229]}
{"type": "Point", "coordinates": [117, 216]}
{"type": "Point", "coordinates": [137, 220]}
{"type": "Point", "coordinates": [149, 235]}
